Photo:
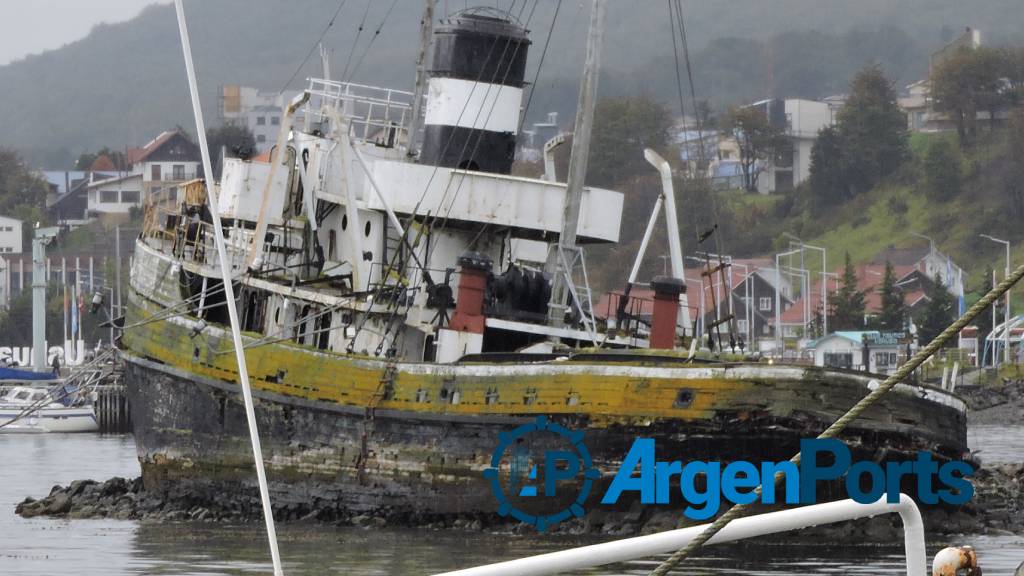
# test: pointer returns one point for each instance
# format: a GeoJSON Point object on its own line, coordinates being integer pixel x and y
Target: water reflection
{"type": "Point", "coordinates": [37, 547]}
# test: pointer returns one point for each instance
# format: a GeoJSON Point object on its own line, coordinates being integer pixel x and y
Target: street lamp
{"type": "Point", "coordinates": [778, 299]}
{"type": "Point", "coordinates": [1006, 311]}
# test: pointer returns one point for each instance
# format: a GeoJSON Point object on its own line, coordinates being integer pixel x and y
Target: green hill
{"type": "Point", "coordinates": [124, 83]}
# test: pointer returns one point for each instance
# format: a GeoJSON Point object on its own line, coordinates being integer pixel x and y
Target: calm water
{"type": "Point", "coordinates": [30, 464]}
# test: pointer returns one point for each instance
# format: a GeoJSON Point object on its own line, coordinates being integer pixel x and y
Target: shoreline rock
{"type": "Point", "coordinates": [1001, 403]}
{"type": "Point", "coordinates": [997, 508]}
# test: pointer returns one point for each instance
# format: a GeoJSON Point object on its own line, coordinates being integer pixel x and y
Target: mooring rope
{"type": "Point", "coordinates": [738, 510]}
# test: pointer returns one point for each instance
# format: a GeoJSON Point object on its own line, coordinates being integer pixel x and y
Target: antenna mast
{"type": "Point", "coordinates": [558, 257]}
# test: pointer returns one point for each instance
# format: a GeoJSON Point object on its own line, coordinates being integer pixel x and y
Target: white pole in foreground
{"type": "Point", "coordinates": [739, 529]}
{"type": "Point", "coordinates": [229, 292]}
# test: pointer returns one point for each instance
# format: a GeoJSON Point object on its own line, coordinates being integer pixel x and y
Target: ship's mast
{"type": "Point", "coordinates": [426, 32]}
{"type": "Point", "coordinates": [558, 264]}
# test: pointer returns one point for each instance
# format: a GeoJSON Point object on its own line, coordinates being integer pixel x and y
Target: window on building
{"type": "Point", "coordinates": [130, 196]}
{"type": "Point", "coordinates": [261, 138]}
{"type": "Point", "coordinates": [261, 121]}
{"type": "Point", "coordinates": [108, 196]}
{"type": "Point", "coordinates": [179, 171]}
{"type": "Point", "coordinates": [885, 359]}
{"type": "Point", "coordinates": [155, 172]}
{"type": "Point", "coordinates": [764, 303]}
{"type": "Point", "coordinates": [839, 359]}
{"type": "Point", "coordinates": [276, 121]}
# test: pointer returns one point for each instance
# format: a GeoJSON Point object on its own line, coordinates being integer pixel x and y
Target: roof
{"type": "Point", "coordinates": [61, 178]}
{"type": "Point", "coordinates": [856, 337]}
{"type": "Point", "coordinates": [136, 155]}
{"type": "Point", "coordinates": [114, 180]}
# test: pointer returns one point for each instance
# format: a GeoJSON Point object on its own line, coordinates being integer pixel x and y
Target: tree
{"type": "Point", "coordinates": [894, 311]}
{"type": "Point", "coordinates": [87, 159]}
{"type": "Point", "coordinates": [848, 302]}
{"type": "Point", "coordinates": [967, 82]}
{"type": "Point", "coordinates": [937, 315]}
{"type": "Point", "coordinates": [757, 138]}
{"type": "Point", "coordinates": [623, 127]}
{"type": "Point", "coordinates": [828, 184]}
{"type": "Point", "coordinates": [942, 170]}
{"type": "Point", "coordinates": [872, 131]}
{"type": "Point", "coordinates": [20, 188]}
{"type": "Point", "coordinates": [234, 140]}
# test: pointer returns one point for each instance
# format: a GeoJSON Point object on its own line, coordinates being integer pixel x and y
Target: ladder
{"type": "Point", "coordinates": [572, 264]}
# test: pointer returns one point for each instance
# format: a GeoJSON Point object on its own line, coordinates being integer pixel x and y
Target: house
{"type": "Point", "coordinates": [917, 101]}
{"type": "Point", "coordinates": [752, 299]}
{"type": "Point", "coordinates": [68, 201]}
{"type": "Point", "coordinates": [800, 121]}
{"type": "Point", "coordinates": [159, 167]}
{"type": "Point", "coordinates": [10, 235]}
{"type": "Point", "coordinates": [871, 351]}
{"type": "Point", "coordinates": [261, 112]}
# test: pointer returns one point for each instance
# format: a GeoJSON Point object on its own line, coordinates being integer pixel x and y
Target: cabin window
{"type": "Point", "coordinates": [23, 395]}
{"type": "Point", "coordinates": [108, 196]}
{"type": "Point", "coordinates": [366, 229]}
{"type": "Point", "coordinates": [155, 172]}
{"type": "Point", "coordinates": [344, 222]}
{"type": "Point", "coordinates": [332, 244]}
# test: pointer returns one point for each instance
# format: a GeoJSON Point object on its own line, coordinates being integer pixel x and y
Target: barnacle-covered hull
{"type": "Point", "coordinates": [355, 434]}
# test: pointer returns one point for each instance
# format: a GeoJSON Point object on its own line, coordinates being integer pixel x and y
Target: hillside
{"type": "Point", "coordinates": [124, 82]}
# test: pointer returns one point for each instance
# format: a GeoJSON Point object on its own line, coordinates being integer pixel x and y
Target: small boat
{"type": "Point", "coordinates": [60, 408]}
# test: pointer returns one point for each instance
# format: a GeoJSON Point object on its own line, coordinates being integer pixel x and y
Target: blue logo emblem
{"type": "Point", "coordinates": [566, 465]}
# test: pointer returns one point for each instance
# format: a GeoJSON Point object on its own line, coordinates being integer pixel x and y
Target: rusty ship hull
{"type": "Point", "coordinates": [361, 435]}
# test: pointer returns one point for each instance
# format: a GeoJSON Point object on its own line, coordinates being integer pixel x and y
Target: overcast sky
{"type": "Point", "coordinates": [35, 26]}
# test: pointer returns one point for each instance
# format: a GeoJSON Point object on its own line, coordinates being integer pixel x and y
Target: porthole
{"type": "Point", "coordinates": [366, 229]}
{"type": "Point", "coordinates": [683, 399]}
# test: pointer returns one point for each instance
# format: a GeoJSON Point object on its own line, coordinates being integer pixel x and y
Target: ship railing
{"type": "Point", "coordinates": [377, 115]}
{"type": "Point", "coordinates": [190, 239]}
{"type": "Point", "coordinates": [636, 319]}
{"type": "Point", "coordinates": [630, 549]}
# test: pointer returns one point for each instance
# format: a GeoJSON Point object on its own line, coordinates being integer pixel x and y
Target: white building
{"type": "Point", "coordinates": [10, 235]}
{"type": "Point", "coordinates": [259, 111]}
{"type": "Point", "coordinates": [871, 351]}
{"type": "Point", "coordinates": [158, 167]}
{"type": "Point", "coordinates": [800, 120]}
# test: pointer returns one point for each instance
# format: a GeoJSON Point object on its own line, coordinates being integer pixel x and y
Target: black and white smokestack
{"type": "Point", "coordinates": [475, 92]}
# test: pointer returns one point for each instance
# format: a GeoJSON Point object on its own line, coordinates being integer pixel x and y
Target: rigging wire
{"type": "Point", "coordinates": [355, 41]}
{"type": "Point", "coordinates": [540, 65]}
{"type": "Point", "coordinates": [312, 49]}
{"type": "Point", "coordinates": [376, 33]}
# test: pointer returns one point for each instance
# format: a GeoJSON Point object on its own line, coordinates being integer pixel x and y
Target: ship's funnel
{"type": "Point", "coordinates": [475, 92]}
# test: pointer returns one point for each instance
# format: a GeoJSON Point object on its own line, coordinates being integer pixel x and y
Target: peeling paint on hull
{"type": "Point", "coordinates": [428, 460]}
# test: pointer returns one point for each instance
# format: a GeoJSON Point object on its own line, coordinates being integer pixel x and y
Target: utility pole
{"type": "Point", "coordinates": [117, 264]}
{"type": "Point", "coordinates": [577, 168]}
{"type": "Point", "coordinates": [420, 87]}
{"type": "Point", "coordinates": [43, 237]}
